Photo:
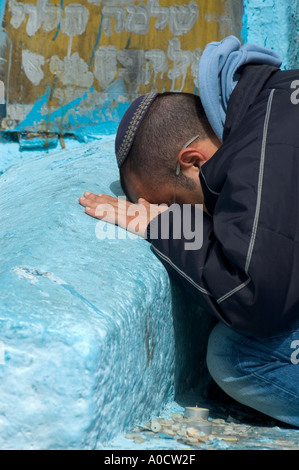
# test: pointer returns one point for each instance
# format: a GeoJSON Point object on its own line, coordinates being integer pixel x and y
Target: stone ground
{"type": "Point", "coordinates": [234, 427]}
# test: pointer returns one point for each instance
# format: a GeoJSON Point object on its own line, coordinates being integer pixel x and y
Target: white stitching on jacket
{"type": "Point", "coordinates": [211, 190]}
{"type": "Point", "coordinates": [201, 289]}
{"type": "Point", "coordinates": [260, 183]}
{"type": "Point", "coordinates": [255, 222]}
{"type": "Point", "coordinates": [258, 201]}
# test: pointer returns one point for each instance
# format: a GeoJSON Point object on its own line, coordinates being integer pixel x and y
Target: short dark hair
{"type": "Point", "coordinates": [172, 119]}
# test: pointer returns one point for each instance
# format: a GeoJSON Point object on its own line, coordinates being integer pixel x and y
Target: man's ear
{"type": "Point", "coordinates": [191, 157]}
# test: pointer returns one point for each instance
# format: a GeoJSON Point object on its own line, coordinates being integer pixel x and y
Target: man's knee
{"type": "Point", "coordinates": [222, 355]}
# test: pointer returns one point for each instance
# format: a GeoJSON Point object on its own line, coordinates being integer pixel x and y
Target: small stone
{"type": "Point", "coordinates": [136, 429]}
{"type": "Point", "coordinates": [194, 433]}
{"type": "Point", "coordinates": [168, 431]}
{"type": "Point", "coordinates": [231, 419]}
{"type": "Point", "coordinates": [229, 430]}
{"type": "Point", "coordinates": [130, 435]}
{"type": "Point", "coordinates": [166, 422]}
{"type": "Point", "coordinates": [218, 421]}
{"type": "Point", "coordinates": [139, 440]}
{"type": "Point", "coordinates": [176, 427]}
{"type": "Point", "coordinates": [192, 440]}
{"type": "Point", "coordinates": [166, 425]}
{"type": "Point", "coordinates": [148, 434]}
{"type": "Point", "coordinates": [182, 432]}
{"type": "Point", "coordinates": [177, 417]}
{"type": "Point", "coordinates": [229, 439]}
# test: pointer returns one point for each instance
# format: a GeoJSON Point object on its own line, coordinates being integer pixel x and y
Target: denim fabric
{"type": "Point", "coordinates": [262, 373]}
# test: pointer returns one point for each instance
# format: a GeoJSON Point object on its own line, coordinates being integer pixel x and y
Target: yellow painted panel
{"type": "Point", "coordinates": [79, 50]}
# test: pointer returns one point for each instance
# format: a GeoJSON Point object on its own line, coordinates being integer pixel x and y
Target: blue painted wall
{"type": "Point", "coordinates": [274, 24]}
{"type": "Point", "coordinates": [93, 336]}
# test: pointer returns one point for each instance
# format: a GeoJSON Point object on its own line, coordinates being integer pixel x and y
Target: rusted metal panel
{"type": "Point", "coordinates": [69, 66]}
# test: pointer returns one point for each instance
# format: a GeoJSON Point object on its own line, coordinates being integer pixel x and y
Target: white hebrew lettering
{"type": "Point", "coordinates": [34, 22]}
{"type": "Point", "coordinates": [113, 12]}
{"type": "Point", "coordinates": [132, 70]}
{"type": "Point", "coordinates": [194, 66]}
{"type": "Point", "coordinates": [73, 17]}
{"type": "Point", "coordinates": [158, 59]}
{"type": "Point", "coordinates": [137, 67]}
{"type": "Point", "coordinates": [18, 13]}
{"type": "Point", "coordinates": [72, 71]}
{"type": "Point", "coordinates": [180, 19]}
{"type": "Point", "coordinates": [137, 20]}
{"type": "Point", "coordinates": [75, 20]}
{"type": "Point", "coordinates": [105, 65]}
{"type": "Point", "coordinates": [41, 13]}
{"type": "Point", "coordinates": [32, 64]}
{"type": "Point", "coordinates": [181, 60]}
{"type": "Point", "coordinates": [162, 13]}
{"type": "Point", "coordinates": [95, 2]}
{"type": "Point", "coordinates": [49, 16]}
{"type": "Point", "coordinates": [183, 18]}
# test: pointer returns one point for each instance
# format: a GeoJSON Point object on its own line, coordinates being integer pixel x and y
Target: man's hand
{"type": "Point", "coordinates": [132, 217]}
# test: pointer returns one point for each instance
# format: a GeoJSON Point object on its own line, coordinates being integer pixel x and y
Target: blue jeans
{"type": "Point", "coordinates": [257, 372]}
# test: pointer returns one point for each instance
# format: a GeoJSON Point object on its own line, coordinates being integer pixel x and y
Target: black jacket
{"type": "Point", "coordinates": [247, 271]}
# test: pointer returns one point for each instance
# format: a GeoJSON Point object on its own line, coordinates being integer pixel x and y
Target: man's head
{"type": "Point", "coordinates": [162, 141]}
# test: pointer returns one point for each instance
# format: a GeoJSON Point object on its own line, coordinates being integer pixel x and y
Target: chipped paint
{"type": "Point", "coordinates": [274, 24]}
{"type": "Point", "coordinates": [76, 65]}
{"type": "Point", "coordinates": [32, 64]}
{"type": "Point", "coordinates": [91, 58]}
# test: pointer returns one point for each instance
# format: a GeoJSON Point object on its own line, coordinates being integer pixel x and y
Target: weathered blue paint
{"type": "Point", "coordinates": [35, 114]}
{"type": "Point", "coordinates": [97, 41]}
{"type": "Point", "coordinates": [59, 24]}
{"type": "Point", "coordinates": [274, 24]}
{"type": "Point", "coordinates": [73, 311]}
{"type": "Point", "coordinates": [87, 323]}
{"type": "Point", "coordinates": [2, 10]}
{"type": "Point", "coordinates": [99, 120]}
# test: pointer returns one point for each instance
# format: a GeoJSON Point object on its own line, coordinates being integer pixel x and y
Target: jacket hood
{"type": "Point", "coordinates": [218, 75]}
